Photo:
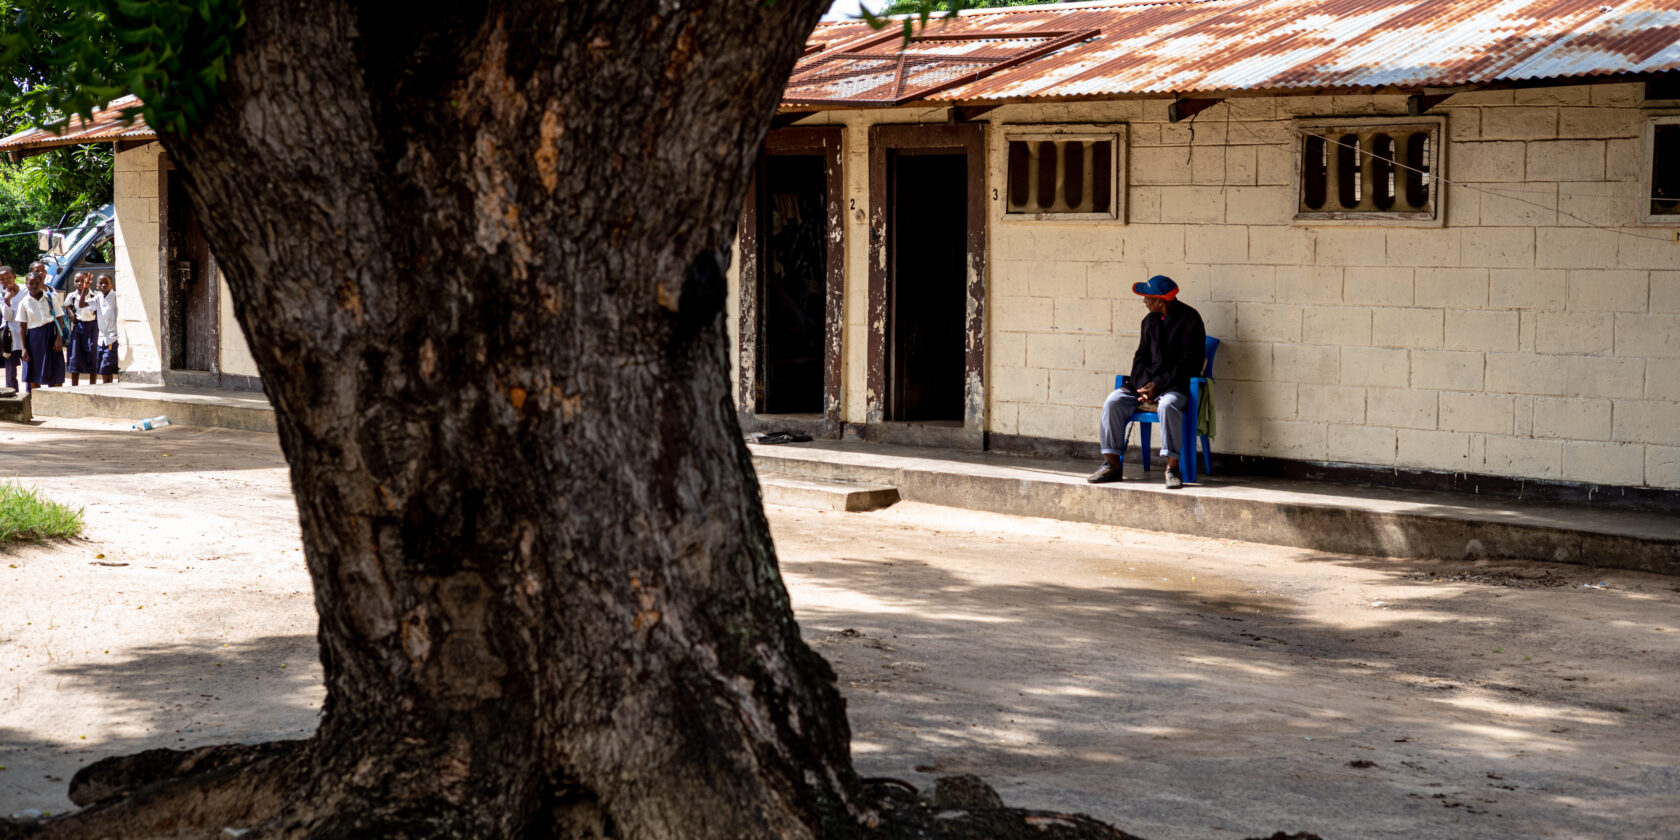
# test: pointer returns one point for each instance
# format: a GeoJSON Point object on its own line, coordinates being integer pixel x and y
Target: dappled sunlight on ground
{"type": "Point", "coordinates": [1179, 687]}
{"type": "Point", "coordinates": [1202, 688]}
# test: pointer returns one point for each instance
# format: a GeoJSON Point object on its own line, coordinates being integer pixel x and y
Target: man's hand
{"type": "Point", "coordinates": [1147, 392]}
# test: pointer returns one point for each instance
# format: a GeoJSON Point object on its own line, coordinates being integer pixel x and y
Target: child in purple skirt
{"type": "Point", "coordinates": [84, 330]}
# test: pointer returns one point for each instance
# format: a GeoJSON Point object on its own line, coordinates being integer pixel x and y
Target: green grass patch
{"type": "Point", "coordinates": [27, 517]}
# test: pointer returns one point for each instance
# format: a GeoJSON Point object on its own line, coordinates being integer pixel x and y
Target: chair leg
{"type": "Point", "coordinates": [1187, 441]}
{"type": "Point", "coordinates": [1207, 456]}
{"type": "Point", "coordinates": [1143, 432]}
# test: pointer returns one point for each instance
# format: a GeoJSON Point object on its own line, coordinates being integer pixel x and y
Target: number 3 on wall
{"type": "Point", "coordinates": [994, 194]}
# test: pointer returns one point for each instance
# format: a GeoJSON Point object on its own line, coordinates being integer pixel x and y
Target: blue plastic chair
{"type": "Point", "coordinates": [1192, 412]}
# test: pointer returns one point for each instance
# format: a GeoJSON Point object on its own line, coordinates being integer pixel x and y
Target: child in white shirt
{"type": "Point", "coordinates": [107, 306]}
{"type": "Point", "coordinates": [11, 342]}
{"type": "Point", "coordinates": [43, 346]}
{"type": "Point", "coordinates": [84, 329]}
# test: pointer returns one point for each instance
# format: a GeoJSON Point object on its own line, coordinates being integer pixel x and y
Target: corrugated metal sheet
{"type": "Point", "coordinates": [1224, 45]}
{"type": "Point", "coordinates": [106, 126]}
{"type": "Point", "coordinates": [885, 71]}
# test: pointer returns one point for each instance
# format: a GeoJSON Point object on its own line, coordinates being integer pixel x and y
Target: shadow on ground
{"type": "Point", "coordinates": [93, 452]}
{"type": "Point", "coordinates": [180, 695]}
{"type": "Point", "coordinates": [1160, 694]}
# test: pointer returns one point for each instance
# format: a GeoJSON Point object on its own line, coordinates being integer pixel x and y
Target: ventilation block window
{"type": "Point", "coordinates": [1367, 172]}
{"type": "Point", "coordinates": [1066, 174]}
{"type": "Point", "coordinates": [1661, 195]}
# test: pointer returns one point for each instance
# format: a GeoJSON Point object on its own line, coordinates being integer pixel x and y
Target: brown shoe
{"type": "Point", "coordinates": [1104, 474]}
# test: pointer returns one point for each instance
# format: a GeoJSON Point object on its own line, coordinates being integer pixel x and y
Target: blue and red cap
{"type": "Point", "coordinates": [1159, 286]}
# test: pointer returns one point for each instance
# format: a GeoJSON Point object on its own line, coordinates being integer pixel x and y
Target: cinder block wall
{"type": "Point", "coordinates": [236, 353]}
{"type": "Point", "coordinates": [1515, 340]}
{"type": "Point", "coordinates": [134, 184]}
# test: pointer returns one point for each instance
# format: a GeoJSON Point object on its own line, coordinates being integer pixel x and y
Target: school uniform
{"type": "Point", "coordinates": [107, 307]}
{"type": "Point", "coordinates": [12, 350]}
{"type": "Point", "coordinates": [84, 332]}
{"type": "Point", "coordinates": [38, 316]}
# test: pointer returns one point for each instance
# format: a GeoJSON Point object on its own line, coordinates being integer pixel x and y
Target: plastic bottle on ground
{"type": "Point", "coordinates": [151, 423]}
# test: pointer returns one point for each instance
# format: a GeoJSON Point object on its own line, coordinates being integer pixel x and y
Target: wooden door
{"type": "Point", "coordinates": [194, 316]}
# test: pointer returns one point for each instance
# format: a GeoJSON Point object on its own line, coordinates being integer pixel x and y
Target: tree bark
{"type": "Point", "coordinates": [478, 252]}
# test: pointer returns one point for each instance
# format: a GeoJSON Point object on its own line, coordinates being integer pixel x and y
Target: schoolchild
{"type": "Point", "coordinates": [11, 332]}
{"type": "Point", "coordinates": [83, 305]}
{"type": "Point", "coordinates": [43, 346]}
{"type": "Point", "coordinates": [108, 352]}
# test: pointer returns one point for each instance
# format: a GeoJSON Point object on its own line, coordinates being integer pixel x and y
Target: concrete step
{"type": "Point", "coordinates": [14, 407]}
{"type": "Point", "coordinates": [243, 410]}
{"type": "Point", "coordinates": [825, 495]}
{"type": "Point", "coordinates": [1317, 516]}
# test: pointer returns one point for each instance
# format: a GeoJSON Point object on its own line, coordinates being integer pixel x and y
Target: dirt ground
{"type": "Point", "coordinates": [1178, 687]}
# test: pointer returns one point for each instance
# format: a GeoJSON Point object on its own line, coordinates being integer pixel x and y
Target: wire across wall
{"type": "Point", "coordinates": [1436, 177]}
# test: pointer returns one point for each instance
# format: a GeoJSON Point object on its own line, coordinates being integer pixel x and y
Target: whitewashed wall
{"type": "Point", "coordinates": [135, 185]}
{"type": "Point", "coordinates": [1515, 340]}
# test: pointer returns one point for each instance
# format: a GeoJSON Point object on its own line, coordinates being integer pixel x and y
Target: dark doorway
{"type": "Point", "coordinates": [792, 285]}
{"type": "Point", "coordinates": [927, 289]}
{"type": "Point", "coordinates": [793, 295]}
{"type": "Point", "coordinates": [189, 284]}
{"type": "Point", "coordinates": [925, 383]}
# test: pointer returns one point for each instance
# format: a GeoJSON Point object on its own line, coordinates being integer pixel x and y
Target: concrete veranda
{"type": "Point", "coordinates": [1179, 687]}
{"type": "Point", "coordinates": [1317, 515]}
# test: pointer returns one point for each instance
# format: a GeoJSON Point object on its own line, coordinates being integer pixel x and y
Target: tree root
{"type": "Point", "coordinates": [202, 793]}
{"type": "Point", "coordinates": [966, 808]}
{"type": "Point", "coordinates": [120, 774]}
{"type": "Point", "coordinates": [175, 793]}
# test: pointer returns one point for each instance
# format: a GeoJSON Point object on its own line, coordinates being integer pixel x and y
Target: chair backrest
{"type": "Point", "coordinates": [1209, 347]}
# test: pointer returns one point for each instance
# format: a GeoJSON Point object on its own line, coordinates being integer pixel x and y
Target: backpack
{"type": "Point", "coordinates": [61, 318]}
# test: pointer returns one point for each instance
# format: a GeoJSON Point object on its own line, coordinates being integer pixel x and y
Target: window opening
{"type": "Point", "coordinates": [1665, 170]}
{"type": "Point", "coordinates": [1315, 171]}
{"type": "Point", "coordinates": [1062, 176]}
{"type": "Point", "coordinates": [1383, 171]}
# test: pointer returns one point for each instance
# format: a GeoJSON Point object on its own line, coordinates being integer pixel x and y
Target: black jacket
{"type": "Point", "coordinates": [1171, 349]}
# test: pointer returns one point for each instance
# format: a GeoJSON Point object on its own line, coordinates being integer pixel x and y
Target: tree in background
{"type": "Point", "coordinates": [58, 186]}
{"type": "Point", "coordinates": [549, 603]}
{"type": "Point", "coordinates": [49, 190]}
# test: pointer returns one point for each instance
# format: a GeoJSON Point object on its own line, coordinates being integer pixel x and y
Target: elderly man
{"type": "Point", "coordinates": [1171, 350]}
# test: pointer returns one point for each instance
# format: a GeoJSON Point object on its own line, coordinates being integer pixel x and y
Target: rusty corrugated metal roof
{"type": "Point", "coordinates": [1226, 45]}
{"type": "Point", "coordinates": [106, 126]}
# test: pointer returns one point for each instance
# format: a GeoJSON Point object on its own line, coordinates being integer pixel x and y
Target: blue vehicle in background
{"type": "Point", "coordinates": [89, 246]}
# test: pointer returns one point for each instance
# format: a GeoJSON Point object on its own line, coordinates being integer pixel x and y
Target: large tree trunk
{"type": "Point", "coordinates": [478, 253]}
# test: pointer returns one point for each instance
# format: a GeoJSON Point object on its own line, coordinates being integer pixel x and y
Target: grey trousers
{"type": "Point", "coordinates": [1120, 405]}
